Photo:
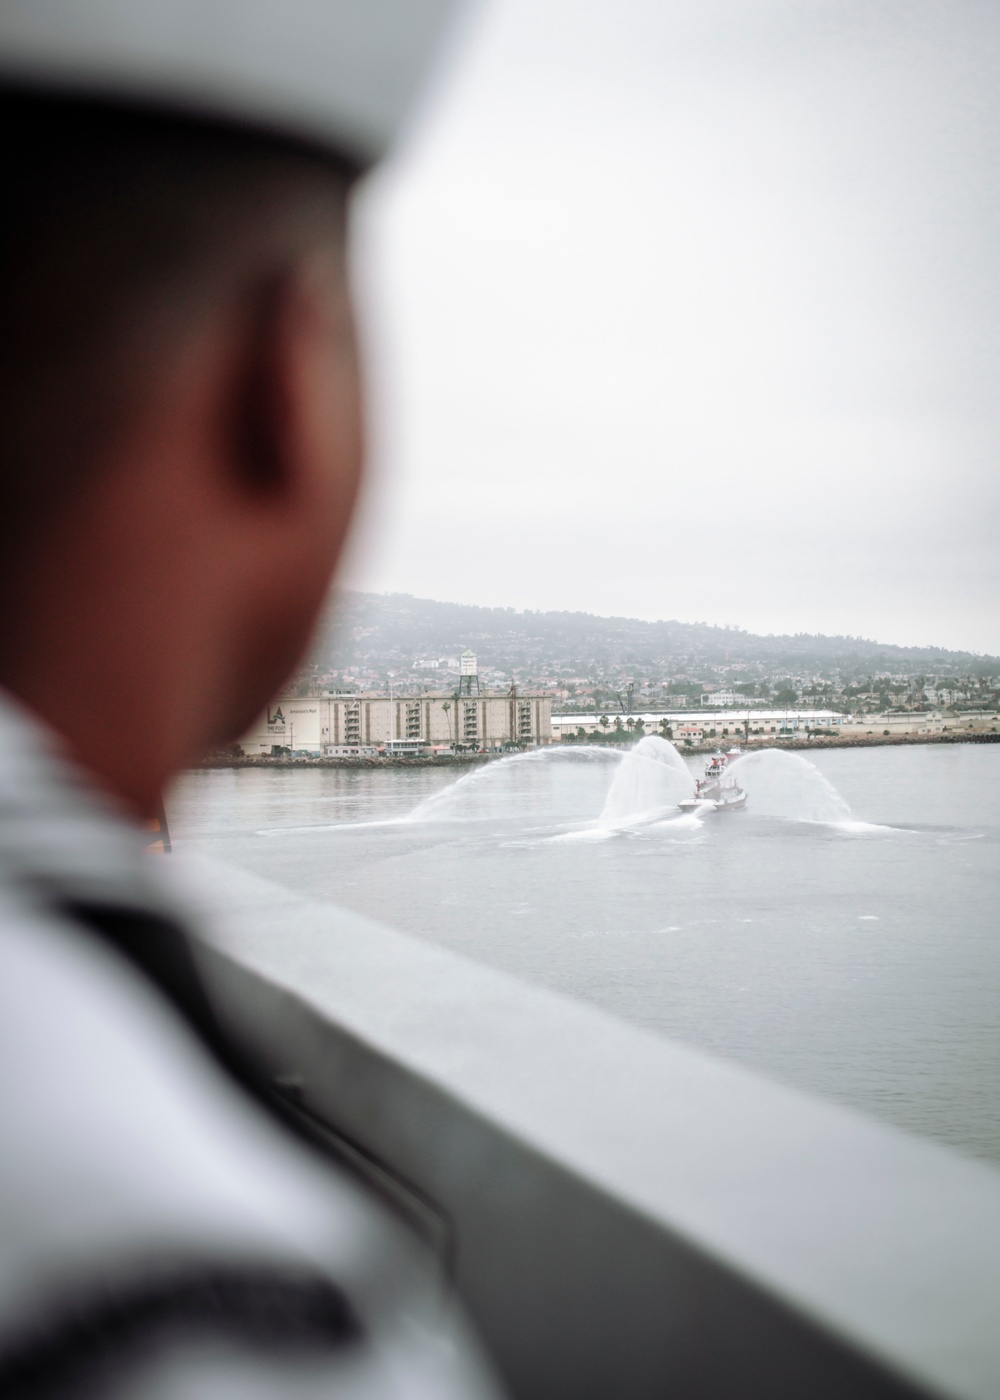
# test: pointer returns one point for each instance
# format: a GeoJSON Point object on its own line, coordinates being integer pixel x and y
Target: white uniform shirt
{"type": "Point", "coordinates": [160, 1234]}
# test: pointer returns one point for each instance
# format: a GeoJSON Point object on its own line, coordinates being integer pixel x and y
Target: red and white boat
{"type": "Point", "coordinates": [718, 789]}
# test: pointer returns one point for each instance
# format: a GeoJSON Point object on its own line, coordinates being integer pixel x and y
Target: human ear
{"type": "Point", "coordinates": [260, 446]}
{"type": "Point", "coordinates": [290, 321]}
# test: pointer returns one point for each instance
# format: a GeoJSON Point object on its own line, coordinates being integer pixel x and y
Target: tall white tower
{"type": "Point", "coordinates": [468, 674]}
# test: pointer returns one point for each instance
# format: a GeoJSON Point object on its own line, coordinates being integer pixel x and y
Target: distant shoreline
{"type": "Point", "coordinates": [459, 760]}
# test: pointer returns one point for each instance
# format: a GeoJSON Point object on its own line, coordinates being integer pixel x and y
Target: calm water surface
{"type": "Point", "coordinates": [840, 934]}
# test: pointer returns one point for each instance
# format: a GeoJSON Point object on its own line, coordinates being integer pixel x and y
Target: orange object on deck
{"type": "Point", "coordinates": [159, 833]}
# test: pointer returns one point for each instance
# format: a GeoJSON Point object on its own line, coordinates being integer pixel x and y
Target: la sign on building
{"type": "Point", "coordinates": [294, 724]}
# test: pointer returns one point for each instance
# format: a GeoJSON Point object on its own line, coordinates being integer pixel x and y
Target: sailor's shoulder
{"type": "Point", "coordinates": [130, 1159]}
{"type": "Point", "coordinates": [121, 1134]}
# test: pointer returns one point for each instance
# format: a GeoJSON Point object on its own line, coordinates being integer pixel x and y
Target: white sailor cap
{"type": "Point", "coordinates": [338, 73]}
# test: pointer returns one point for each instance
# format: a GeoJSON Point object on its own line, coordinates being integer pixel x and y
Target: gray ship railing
{"type": "Point", "coordinates": [622, 1216]}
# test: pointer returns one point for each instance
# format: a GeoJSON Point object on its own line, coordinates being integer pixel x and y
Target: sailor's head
{"type": "Point", "coordinates": [180, 412]}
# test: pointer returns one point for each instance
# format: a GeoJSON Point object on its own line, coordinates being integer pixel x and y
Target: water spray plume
{"type": "Point", "coordinates": [652, 778]}
{"type": "Point", "coordinates": [504, 785]}
{"type": "Point", "coordinates": [782, 784]}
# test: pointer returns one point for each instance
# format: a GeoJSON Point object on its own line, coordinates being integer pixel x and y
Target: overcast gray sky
{"type": "Point", "coordinates": [691, 308]}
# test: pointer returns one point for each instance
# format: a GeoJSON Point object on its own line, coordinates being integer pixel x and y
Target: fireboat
{"type": "Point", "coordinates": [717, 789]}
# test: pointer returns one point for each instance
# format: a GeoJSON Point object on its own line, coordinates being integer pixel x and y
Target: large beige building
{"type": "Point", "coordinates": [357, 724]}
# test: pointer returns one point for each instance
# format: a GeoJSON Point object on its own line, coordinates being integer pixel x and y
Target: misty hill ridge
{"type": "Point", "coordinates": [395, 628]}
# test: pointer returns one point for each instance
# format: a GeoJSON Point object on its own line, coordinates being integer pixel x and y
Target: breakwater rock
{"type": "Point", "coordinates": [456, 760]}
{"type": "Point", "coordinates": [463, 760]}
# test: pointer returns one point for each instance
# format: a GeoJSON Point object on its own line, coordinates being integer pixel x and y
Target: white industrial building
{"type": "Point", "coordinates": [695, 724]}
{"type": "Point", "coordinates": [761, 723]}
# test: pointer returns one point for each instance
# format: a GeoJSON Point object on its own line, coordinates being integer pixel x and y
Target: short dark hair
{"type": "Point", "coordinates": [115, 223]}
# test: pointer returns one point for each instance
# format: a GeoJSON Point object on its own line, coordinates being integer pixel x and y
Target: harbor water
{"type": "Point", "coordinates": [840, 933]}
